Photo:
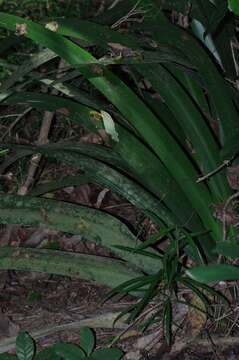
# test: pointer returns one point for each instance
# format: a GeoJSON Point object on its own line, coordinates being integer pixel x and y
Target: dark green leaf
{"type": "Point", "coordinates": [195, 248]}
{"type": "Point", "coordinates": [217, 15]}
{"type": "Point", "coordinates": [87, 340]}
{"type": "Point", "coordinates": [133, 109]}
{"type": "Point", "coordinates": [210, 290]}
{"type": "Point", "coordinates": [48, 354]}
{"type": "Point", "coordinates": [132, 285]}
{"type": "Point", "coordinates": [212, 273]}
{"type": "Point", "coordinates": [24, 346]}
{"type": "Point", "coordinates": [191, 120]}
{"type": "Point", "coordinates": [167, 321]}
{"type": "Point", "coordinates": [59, 184]}
{"type": "Point", "coordinates": [100, 173]}
{"type": "Point", "coordinates": [198, 292]}
{"type": "Point", "coordinates": [142, 252]}
{"type": "Point", "coordinates": [154, 239]}
{"type": "Point", "coordinates": [166, 33]}
{"type": "Point", "coordinates": [90, 223]}
{"type": "Point", "coordinates": [102, 270]}
{"type": "Point", "coordinates": [147, 297]}
{"type": "Point", "coordinates": [75, 111]}
{"type": "Point", "coordinates": [228, 249]}
{"type": "Point", "coordinates": [68, 351]}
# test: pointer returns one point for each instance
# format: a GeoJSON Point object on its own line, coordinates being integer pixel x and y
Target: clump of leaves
{"type": "Point", "coordinates": [158, 293]}
{"type": "Point", "coordinates": [160, 122]}
{"type": "Point", "coordinates": [26, 349]}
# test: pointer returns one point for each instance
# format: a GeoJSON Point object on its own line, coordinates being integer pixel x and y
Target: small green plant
{"type": "Point", "coordinates": [26, 349]}
{"type": "Point", "coordinates": [162, 290]}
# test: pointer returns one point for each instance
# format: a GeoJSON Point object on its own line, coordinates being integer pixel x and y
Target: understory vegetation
{"type": "Point", "coordinates": [140, 99]}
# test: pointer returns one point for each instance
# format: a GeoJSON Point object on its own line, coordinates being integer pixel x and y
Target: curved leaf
{"type": "Point", "coordinates": [170, 35]}
{"type": "Point", "coordinates": [59, 184]}
{"type": "Point", "coordinates": [75, 111]}
{"type": "Point", "coordinates": [100, 173]}
{"type": "Point", "coordinates": [167, 321]}
{"type": "Point", "coordinates": [192, 122]}
{"type": "Point", "coordinates": [212, 273]}
{"type": "Point", "coordinates": [75, 219]}
{"type": "Point", "coordinates": [228, 249]}
{"type": "Point", "coordinates": [134, 110]}
{"type": "Point", "coordinates": [102, 270]}
{"type": "Point", "coordinates": [138, 159]}
{"type": "Point", "coordinates": [87, 340]}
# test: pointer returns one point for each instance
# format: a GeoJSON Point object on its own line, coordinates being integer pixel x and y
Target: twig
{"type": "Point", "coordinates": [9, 115]}
{"type": "Point", "coordinates": [131, 13]}
{"type": "Point", "coordinates": [101, 197]}
{"type": "Point", "coordinates": [101, 8]}
{"type": "Point", "coordinates": [113, 4]}
{"type": "Point", "coordinates": [42, 139]}
{"type": "Point", "coordinates": [213, 172]}
{"type": "Point", "coordinates": [214, 347]}
{"type": "Point", "coordinates": [35, 160]}
{"type": "Point", "coordinates": [233, 324]}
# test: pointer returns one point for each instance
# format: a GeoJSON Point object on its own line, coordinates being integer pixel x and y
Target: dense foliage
{"type": "Point", "coordinates": [158, 81]}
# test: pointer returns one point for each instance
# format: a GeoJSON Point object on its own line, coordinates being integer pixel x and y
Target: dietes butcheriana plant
{"type": "Point", "coordinates": [162, 95]}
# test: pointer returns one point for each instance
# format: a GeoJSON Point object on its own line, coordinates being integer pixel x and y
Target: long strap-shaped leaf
{"type": "Point", "coordinates": [185, 111]}
{"type": "Point", "coordinates": [102, 270]}
{"type": "Point", "coordinates": [92, 224]}
{"type": "Point", "coordinates": [134, 111]}
{"type": "Point", "coordinates": [103, 36]}
{"type": "Point", "coordinates": [99, 173]}
{"type": "Point", "coordinates": [132, 156]}
{"type": "Point", "coordinates": [168, 34]}
{"type": "Point", "coordinates": [192, 122]}
{"type": "Point", "coordinates": [139, 158]}
{"type": "Point", "coordinates": [76, 112]}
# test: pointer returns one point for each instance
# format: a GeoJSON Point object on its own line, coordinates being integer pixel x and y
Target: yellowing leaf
{"type": "Point", "coordinates": [53, 26]}
{"type": "Point", "coordinates": [109, 125]}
